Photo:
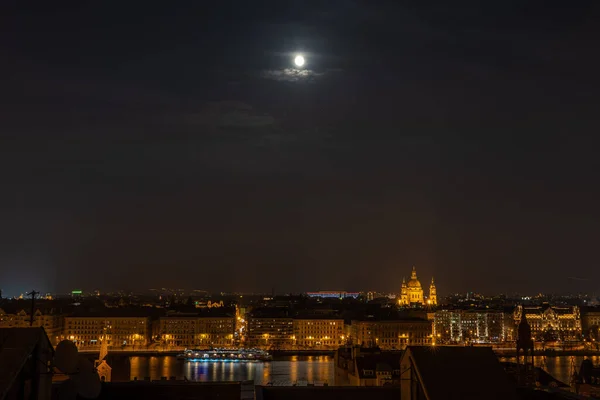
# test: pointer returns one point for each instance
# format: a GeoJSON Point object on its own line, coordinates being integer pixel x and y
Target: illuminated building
{"type": "Point", "coordinates": [216, 331]}
{"type": "Point", "coordinates": [479, 326]}
{"type": "Point", "coordinates": [318, 333]}
{"type": "Point", "coordinates": [118, 330]}
{"type": "Point", "coordinates": [177, 330]}
{"type": "Point", "coordinates": [51, 322]}
{"type": "Point", "coordinates": [195, 330]}
{"type": "Point", "coordinates": [411, 292]}
{"type": "Point", "coordinates": [270, 329]}
{"type": "Point", "coordinates": [549, 323]}
{"type": "Point", "coordinates": [391, 334]}
{"type": "Point", "coordinates": [432, 300]}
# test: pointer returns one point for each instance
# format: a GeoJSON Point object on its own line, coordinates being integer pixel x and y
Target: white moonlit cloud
{"type": "Point", "coordinates": [291, 74]}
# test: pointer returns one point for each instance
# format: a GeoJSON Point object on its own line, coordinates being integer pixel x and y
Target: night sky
{"type": "Point", "coordinates": [174, 144]}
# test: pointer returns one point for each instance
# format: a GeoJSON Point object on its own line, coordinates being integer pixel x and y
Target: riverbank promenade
{"type": "Point", "coordinates": [174, 350]}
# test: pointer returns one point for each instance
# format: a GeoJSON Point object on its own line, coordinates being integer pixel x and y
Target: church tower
{"type": "Point", "coordinates": [414, 289]}
{"type": "Point", "coordinates": [403, 294]}
{"type": "Point", "coordinates": [432, 294]}
{"type": "Point", "coordinates": [412, 294]}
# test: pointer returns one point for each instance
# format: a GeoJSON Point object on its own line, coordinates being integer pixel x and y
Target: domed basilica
{"type": "Point", "coordinates": [412, 292]}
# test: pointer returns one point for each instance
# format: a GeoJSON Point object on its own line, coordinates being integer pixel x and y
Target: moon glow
{"type": "Point", "coordinates": [299, 60]}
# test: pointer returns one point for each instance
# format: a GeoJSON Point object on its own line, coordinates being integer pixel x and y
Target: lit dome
{"type": "Point", "coordinates": [414, 283]}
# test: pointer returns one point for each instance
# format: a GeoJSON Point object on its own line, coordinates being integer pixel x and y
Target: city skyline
{"type": "Point", "coordinates": [167, 146]}
{"type": "Point", "coordinates": [518, 297]}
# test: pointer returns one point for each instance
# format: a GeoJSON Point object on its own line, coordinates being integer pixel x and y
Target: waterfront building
{"type": "Point", "coordinates": [391, 334]}
{"type": "Point", "coordinates": [51, 321]}
{"type": "Point", "coordinates": [317, 332]}
{"type": "Point", "coordinates": [216, 331]}
{"type": "Point", "coordinates": [411, 292]}
{"type": "Point", "coordinates": [551, 323]}
{"type": "Point", "coordinates": [270, 328]}
{"type": "Point", "coordinates": [211, 327]}
{"type": "Point", "coordinates": [175, 330]}
{"type": "Point", "coordinates": [478, 326]}
{"type": "Point", "coordinates": [118, 328]}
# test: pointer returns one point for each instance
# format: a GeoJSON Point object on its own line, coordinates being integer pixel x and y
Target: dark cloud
{"type": "Point", "coordinates": [227, 114]}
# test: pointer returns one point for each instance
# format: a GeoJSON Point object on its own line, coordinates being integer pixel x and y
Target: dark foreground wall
{"type": "Point", "coordinates": [166, 391]}
{"type": "Point", "coordinates": [326, 392]}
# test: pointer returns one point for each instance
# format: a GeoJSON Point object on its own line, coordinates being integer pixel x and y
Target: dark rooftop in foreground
{"type": "Point", "coordinates": [18, 348]}
{"type": "Point", "coordinates": [469, 373]}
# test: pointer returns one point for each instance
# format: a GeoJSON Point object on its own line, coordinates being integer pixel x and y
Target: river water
{"type": "Point", "coordinates": [280, 372]}
{"type": "Point", "coordinates": [290, 370]}
{"type": "Point", "coordinates": [560, 367]}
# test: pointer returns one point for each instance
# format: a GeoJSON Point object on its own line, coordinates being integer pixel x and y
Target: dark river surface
{"type": "Point", "coordinates": [281, 371]}
{"type": "Point", "coordinates": [284, 371]}
{"type": "Point", "coordinates": [560, 367]}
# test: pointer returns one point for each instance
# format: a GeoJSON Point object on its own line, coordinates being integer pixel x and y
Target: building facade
{"type": "Point", "coordinates": [119, 331]}
{"type": "Point", "coordinates": [175, 331]}
{"type": "Point", "coordinates": [318, 333]}
{"type": "Point", "coordinates": [270, 333]}
{"type": "Point", "coordinates": [549, 323]}
{"type": "Point", "coordinates": [216, 331]}
{"type": "Point", "coordinates": [411, 292]}
{"type": "Point", "coordinates": [53, 323]}
{"type": "Point", "coordinates": [392, 334]}
{"type": "Point", "coordinates": [195, 330]}
{"type": "Point", "coordinates": [270, 329]}
{"type": "Point", "coordinates": [477, 326]}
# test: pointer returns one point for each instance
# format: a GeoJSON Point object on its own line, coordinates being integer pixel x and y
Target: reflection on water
{"type": "Point", "coordinates": [296, 369]}
{"type": "Point", "coordinates": [559, 367]}
{"type": "Point", "coordinates": [318, 369]}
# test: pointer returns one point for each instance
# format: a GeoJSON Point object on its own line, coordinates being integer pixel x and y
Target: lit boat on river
{"type": "Point", "coordinates": [225, 355]}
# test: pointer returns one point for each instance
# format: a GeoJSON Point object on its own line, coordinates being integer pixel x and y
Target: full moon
{"type": "Point", "coordinates": [299, 61]}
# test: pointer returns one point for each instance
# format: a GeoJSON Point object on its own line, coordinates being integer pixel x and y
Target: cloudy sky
{"type": "Point", "coordinates": [176, 145]}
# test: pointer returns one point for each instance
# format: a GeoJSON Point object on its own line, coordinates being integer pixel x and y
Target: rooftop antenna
{"type": "Point", "coordinates": [32, 294]}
